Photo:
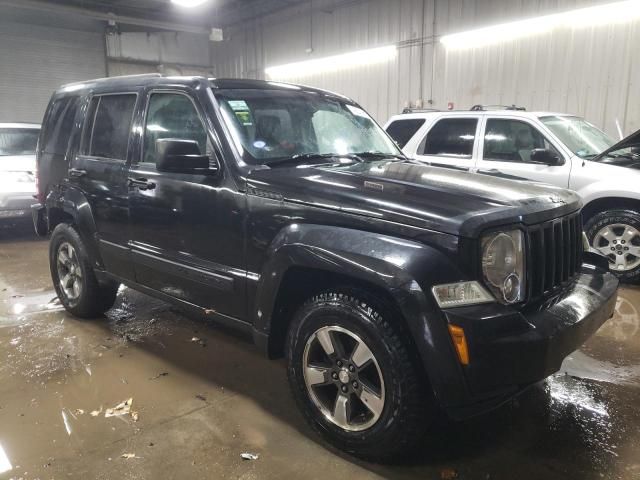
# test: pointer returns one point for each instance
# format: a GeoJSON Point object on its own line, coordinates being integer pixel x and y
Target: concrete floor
{"type": "Point", "coordinates": [201, 404]}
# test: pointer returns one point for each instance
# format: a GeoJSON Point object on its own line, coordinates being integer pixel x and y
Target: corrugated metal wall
{"type": "Point", "coordinates": [590, 72]}
{"type": "Point", "coordinates": [172, 53]}
{"type": "Point", "coordinates": [35, 60]}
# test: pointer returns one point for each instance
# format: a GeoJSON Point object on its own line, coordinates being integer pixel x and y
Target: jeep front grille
{"type": "Point", "coordinates": [555, 253]}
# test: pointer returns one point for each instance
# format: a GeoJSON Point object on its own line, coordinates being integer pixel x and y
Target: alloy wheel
{"type": "Point", "coordinates": [69, 271]}
{"type": "Point", "coordinates": [620, 243]}
{"type": "Point", "coordinates": [343, 378]}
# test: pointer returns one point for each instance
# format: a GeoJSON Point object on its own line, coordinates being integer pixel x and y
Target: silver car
{"type": "Point", "coordinates": [18, 143]}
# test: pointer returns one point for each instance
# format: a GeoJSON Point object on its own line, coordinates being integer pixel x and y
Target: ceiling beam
{"type": "Point", "coordinates": [125, 20]}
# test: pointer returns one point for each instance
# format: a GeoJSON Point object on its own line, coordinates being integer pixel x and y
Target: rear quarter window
{"type": "Point", "coordinates": [403, 130]}
{"type": "Point", "coordinates": [59, 125]}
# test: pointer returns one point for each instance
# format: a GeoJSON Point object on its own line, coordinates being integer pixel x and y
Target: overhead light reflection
{"type": "Point", "coordinates": [319, 179]}
{"type": "Point", "coordinates": [188, 3]}
{"type": "Point", "coordinates": [156, 128]}
{"type": "Point", "coordinates": [610, 13]}
{"type": "Point", "coordinates": [5, 464]}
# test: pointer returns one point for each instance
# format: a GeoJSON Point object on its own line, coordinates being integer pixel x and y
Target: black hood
{"type": "Point", "coordinates": [411, 193]}
{"type": "Point", "coordinates": [632, 140]}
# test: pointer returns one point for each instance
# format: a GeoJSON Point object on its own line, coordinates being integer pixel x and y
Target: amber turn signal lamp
{"type": "Point", "coordinates": [460, 342]}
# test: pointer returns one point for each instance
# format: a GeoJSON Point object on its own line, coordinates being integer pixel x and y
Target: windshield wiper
{"type": "Point", "coordinates": [356, 157]}
{"type": "Point", "coordinates": [378, 154]}
{"type": "Point", "coordinates": [311, 156]}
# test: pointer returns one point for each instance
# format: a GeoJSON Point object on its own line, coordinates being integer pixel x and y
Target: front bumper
{"type": "Point", "coordinates": [510, 350]}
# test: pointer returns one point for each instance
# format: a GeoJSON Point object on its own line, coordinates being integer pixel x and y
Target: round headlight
{"type": "Point", "coordinates": [503, 265]}
{"type": "Point", "coordinates": [498, 260]}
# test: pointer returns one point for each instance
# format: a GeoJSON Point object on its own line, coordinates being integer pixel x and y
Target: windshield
{"type": "Point", "coordinates": [269, 126]}
{"type": "Point", "coordinates": [18, 141]}
{"type": "Point", "coordinates": [582, 138]}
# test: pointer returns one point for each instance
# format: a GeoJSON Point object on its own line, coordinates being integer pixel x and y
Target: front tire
{"type": "Point", "coordinates": [73, 277]}
{"type": "Point", "coordinates": [616, 235]}
{"type": "Point", "coordinates": [355, 378]}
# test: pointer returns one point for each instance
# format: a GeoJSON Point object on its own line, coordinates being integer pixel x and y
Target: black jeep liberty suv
{"type": "Point", "coordinates": [394, 289]}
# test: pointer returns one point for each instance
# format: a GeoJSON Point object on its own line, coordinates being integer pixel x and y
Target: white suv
{"type": "Point", "coordinates": [559, 149]}
{"type": "Point", "coordinates": [17, 169]}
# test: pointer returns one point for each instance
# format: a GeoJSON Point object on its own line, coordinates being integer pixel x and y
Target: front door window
{"type": "Point", "coordinates": [172, 115]}
{"type": "Point", "coordinates": [512, 141]}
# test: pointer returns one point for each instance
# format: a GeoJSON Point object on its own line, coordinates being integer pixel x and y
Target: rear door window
{"type": "Point", "coordinates": [59, 125]}
{"type": "Point", "coordinates": [451, 137]}
{"type": "Point", "coordinates": [109, 126]}
{"type": "Point", "coordinates": [403, 130]}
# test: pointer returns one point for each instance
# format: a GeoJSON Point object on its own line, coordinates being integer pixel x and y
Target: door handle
{"type": "Point", "coordinates": [75, 173]}
{"type": "Point", "coordinates": [141, 183]}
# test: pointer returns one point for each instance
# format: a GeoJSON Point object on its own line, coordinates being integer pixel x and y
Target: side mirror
{"type": "Point", "coordinates": [181, 156]}
{"type": "Point", "coordinates": [546, 157]}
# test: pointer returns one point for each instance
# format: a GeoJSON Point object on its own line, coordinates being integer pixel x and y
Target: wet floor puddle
{"type": "Point", "coordinates": [583, 422]}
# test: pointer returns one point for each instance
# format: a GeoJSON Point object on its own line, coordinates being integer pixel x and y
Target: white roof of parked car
{"type": "Point", "coordinates": [20, 125]}
{"type": "Point", "coordinates": [463, 113]}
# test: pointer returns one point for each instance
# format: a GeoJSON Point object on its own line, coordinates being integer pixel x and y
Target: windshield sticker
{"type": "Point", "coordinates": [241, 110]}
{"type": "Point", "coordinates": [238, 105]}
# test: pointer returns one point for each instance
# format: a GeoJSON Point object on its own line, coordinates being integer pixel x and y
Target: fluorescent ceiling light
{"type": "Point", "coordinates": [610, 13]}
{"type": "Point", "coordinates": [333, 63]}
{"type": "Point", "coordinates": [189, 3]}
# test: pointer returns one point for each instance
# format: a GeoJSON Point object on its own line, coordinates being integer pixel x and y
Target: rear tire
{"type": "Point", "coordinates": [616, 234]}
{"type": "Point", "coordinates": [370, 398]}
{"type": "Point", "coordinates": [73, 276]}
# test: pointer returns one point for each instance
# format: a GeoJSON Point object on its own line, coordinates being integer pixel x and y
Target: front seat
{"type": "Point", "coordinates": [268, 130]}
{"type": "Point", "coordinates": [524, 144]}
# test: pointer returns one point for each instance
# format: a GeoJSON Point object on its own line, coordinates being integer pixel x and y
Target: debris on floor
{"type": "Point", "coordinates": [123, 408]}
{"type": "Point", "coordinates": [95, 413]}
{"type": "Point", "coordinates": [201, 397]}
{"type": "Point", "coordinates": [129, 456]}
{"type": "Point", "coordinates": [199, 341]}
{"type": "Point", "coordinates": [249, 456]}
{"type": "Point", "coordinates": [448, 474]}
{"type": "Point", "coordinates": [163, 374]}
{"type": "Point", "coordinates": [78, 411]}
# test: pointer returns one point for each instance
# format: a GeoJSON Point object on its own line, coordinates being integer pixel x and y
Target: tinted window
{"type": "Point", "coordinates": [18, 141]}
{"type": "Point", "coordinates": [402, 130]}
{"type": "Point", "coordinates": [59, 125]}
{"type": "Point", "coordinates": [109, 126]}
{"type": "Point", "coordinates": [512, 141]}
{"type": "Point", "coordinates": [172, 115]}
{"type": "Point", "coordinates": [452, 137]}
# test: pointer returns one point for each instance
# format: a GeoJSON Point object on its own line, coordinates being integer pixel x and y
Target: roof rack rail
{"type": "Point", "coordinates": [483, 108]}
{"type": "Point", "coordinates": [420, 110]}
{"type": "Point", "coordinates": [116, 77]}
